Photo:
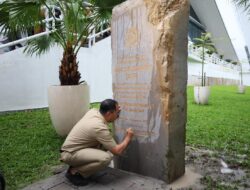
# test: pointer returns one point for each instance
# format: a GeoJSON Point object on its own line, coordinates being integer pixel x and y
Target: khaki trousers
{"type": "Point", "coordinates": [87, 161]}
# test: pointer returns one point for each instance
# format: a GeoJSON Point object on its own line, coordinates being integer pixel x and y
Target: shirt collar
{"type": "Point", "coordinates": [99, 115]}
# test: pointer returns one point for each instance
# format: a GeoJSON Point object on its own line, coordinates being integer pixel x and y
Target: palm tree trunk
{"type": "Point", "coordinates": [202, 69]}
{"type": "Point", "coordinates": [68, 71]}
{"type": "Point", "coordinates": [241, 79]}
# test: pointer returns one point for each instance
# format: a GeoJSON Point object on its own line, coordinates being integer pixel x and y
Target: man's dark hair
{"type": "Point", "coordinates": [107, 105]}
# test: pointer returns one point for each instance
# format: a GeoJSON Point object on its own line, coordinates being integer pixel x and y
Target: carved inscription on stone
{"type": "Point", "coordinates": [132, 73]}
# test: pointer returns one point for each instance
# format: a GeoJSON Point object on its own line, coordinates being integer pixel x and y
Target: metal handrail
{"type": "Point", "coordinates": [26, 39]}
{"type": "Point", "coordinates": [213, 58]}
{"type": "Point", "coordinates": [91, 37]}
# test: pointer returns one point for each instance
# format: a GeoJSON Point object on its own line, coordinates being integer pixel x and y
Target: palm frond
{"type": "Point", "coordinates": [4, 21]}
{"type": "Point", "coordinates": [21, 14]}
{"type": "Point", "coordinates": [103, 9]}
{"type": "Point", "coordinates": [205, 42]}
{"type": "Point", "coordinates": [96, 13]}
{"type": "Point", "coordinates": [198, 40]}
{"type": "Point", "coordinates": [205, 39]}
{"type": "Point", "coordinates": [107, 5]}
{"type": "Point", "coordinates": [242, 3]}
{"type": "Point", "coordinates": [245, 4]}
{"type": "Point", "coordinates": [210, 48]}
{"type": "Point", "coordinates": [40, 45]}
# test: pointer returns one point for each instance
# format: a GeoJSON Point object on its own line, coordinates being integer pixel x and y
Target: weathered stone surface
{"type": "Point", "coordinates": [149, 44]}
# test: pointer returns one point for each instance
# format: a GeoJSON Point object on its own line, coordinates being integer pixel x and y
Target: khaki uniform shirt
{"type": "Point", "coordinates": [90, 132]}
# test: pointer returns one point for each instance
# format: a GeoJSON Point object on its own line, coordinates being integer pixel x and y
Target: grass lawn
{"type": "Point", "coordinates": [223, 124]}
{"type": "Point", "coordinates": [29, 145]}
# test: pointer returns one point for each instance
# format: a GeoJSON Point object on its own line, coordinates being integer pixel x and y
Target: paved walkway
{"type": "Point", "coordinates": [117, 180]}
{"type": "Point", "coordinates": [113, 180]}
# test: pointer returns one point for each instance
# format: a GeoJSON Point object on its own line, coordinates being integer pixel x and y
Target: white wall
{"type": "Point", "coordinates": [24, 80]}
{"type": "Point", "coordinates": [246, 78]}
{"type": "Point", "coordinates": [213, 70]}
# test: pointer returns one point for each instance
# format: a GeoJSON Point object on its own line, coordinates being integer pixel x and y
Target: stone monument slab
{"type": "Point", "coordinates": [149, 70]}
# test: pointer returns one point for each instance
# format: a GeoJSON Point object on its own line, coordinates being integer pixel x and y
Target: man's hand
{"type": "Point", "coordinates": [130, 133]}
{"type": "Point", "coordinates": [118, 149]}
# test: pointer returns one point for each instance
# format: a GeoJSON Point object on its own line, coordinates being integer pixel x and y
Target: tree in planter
{"type": "Point", "coordinates": [204, 42]}
{"type": "Point", "coordinates": [245, 4]}
{"type": "Point", "coordinates": [241, 88]}
{"type": "Point", "coordinates": [78, 17]}
{"type": "Point", "coordinates": [69, 29]}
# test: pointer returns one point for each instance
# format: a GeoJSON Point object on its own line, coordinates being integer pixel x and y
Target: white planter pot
{"type": "Point", "coordinates": [67, 105]}
{"type": "Point", "coordinates": [201, 94]}
{"type": "Point", "coordinates": [241, 89]}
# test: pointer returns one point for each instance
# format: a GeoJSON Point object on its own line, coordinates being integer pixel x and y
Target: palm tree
{"type": "Point", "coordinates": [204, 42]}
{"type": "Point", "coordinates": [78, 17]}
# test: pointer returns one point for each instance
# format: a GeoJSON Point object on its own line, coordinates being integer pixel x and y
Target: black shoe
{"type": "Point", "coordinates": [98, 175]}
{"type": "Point", "coordinates": [2, 182]}
{"type": "Point", "coordinates": [77, 179]}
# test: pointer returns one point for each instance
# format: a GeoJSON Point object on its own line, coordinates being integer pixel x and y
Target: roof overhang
{"type": "Point", "coordinates": [210, 17]}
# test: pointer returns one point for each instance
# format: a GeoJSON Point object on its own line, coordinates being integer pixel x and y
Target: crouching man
{"type": "Point", "coordinates": [84, 149]}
